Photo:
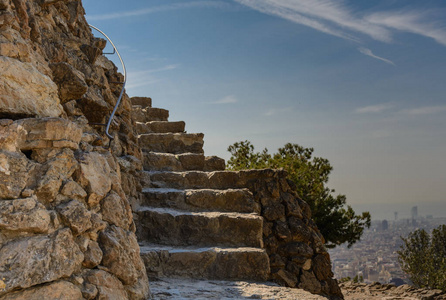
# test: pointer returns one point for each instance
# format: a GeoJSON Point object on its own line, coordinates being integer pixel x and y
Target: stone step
{"type": "Point", "coordinates": [160, 127]}
{"type": "Point", "coordinates": [205, 263]}
{"type": "Point", "coordinates": [149, 114]}
{"type": "Point", "coordinates": [157, 161]}
{"type": "Point", "coordinates": [142, 102]}
{"type": "Point", "coordinates": [194, 179]}
{"type": "Point", "coordinates": [175, 143]}
{"type": "Point", "coordinates": [230, 200]}
{"type": "Point", "coordinates": [180, 228]}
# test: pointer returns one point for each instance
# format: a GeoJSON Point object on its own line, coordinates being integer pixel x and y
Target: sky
{"type": "Point", "coordinates": [362, 82]}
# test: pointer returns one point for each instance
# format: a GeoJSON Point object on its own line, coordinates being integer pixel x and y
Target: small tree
{"type": "Point", "coordinates": [335, 219]}
{"type": "Point", "coordinates": [423, 258]}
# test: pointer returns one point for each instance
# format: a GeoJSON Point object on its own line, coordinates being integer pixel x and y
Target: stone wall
{"type": "Point", "coordinates": [298, 257]}
{"type": "Point", "coordinates": [66, 227]}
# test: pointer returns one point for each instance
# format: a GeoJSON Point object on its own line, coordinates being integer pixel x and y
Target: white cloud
{"type": "Point", "coordinates": [411, 21]}
{"type": "Point", "coordinates": [336, 18]}
{"type": "Point", "coordinates": [141, 78]}
{"type": "Point", "coordinates": [226, 100]}
{"type": "Point", "coordinates": [331, 17]}
{"type": "Point", "coordinates": [275, 111]}
{"type": "Point", "coordinates": [426, 110]}
{"type": "Point", "coordinates": [161, 8]}
{"type": "Point", "coordinates": [162, 69]}
{"type": "Point", "coordinates": [369, 52]}
{"type": "Point", "coordinates": [374, 108]}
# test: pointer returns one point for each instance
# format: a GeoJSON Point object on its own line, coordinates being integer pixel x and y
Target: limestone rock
{"type": "Point", "coordinates": [35, 260]}
{"type": "Point", "coordinates": [121, 253]}
{"type": "Point", "coordinates": [284, 277]}
{"type": "Point", "coordinates": [50, 133]}
{"type": "Point", "coordinates": [71, 82]}
{"type": "Point", "coordinates": [121, 257]}
{"type": "Point", "coordinates": [25, 91]}
{"type": "Point", "coordinates": [116, 211]}
{"type": "Point", "coordinates": [15, 170]}
{"type": "Point", "coordinates": [322, 267]}
{"type": "Point", "coordinates": [76, 216]}
{"type": "Point", "coordinates": [108, 286]}
{"type": "Point", "coordinates": [10, 135]}
{"type": "Point", "coordinates": [58, 168]}
{"type": "Point", "coordinates": [24, 215]}
{"type": "Point", "coordinates": [309, 282]}
{"type": "Point", "coordinates": [73, 190]}
{"type": "Point", "coordinates": [93, 255]}
{"type": "Point", "coordinates": [95, 176]}
{"type": "Point", "coordinates": [56, 290]}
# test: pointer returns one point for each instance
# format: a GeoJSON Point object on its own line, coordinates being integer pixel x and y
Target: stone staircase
{"type": "Point", "coordinates": [193, 220]}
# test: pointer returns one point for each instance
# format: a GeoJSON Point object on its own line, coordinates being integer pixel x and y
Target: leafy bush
{"type": "Point", "coordinates": [423, 258]}
{"type": "Point", "coordinates": [335, 219]}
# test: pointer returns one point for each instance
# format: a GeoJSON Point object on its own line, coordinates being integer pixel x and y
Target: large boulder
{"type": "Point", "coordinates": [25, 91]}
{"type": "Point", "coordinates": [35, 260]}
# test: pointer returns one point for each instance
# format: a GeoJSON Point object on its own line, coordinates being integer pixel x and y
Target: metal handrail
{"type": "Point", "coordinates": [107, 128]}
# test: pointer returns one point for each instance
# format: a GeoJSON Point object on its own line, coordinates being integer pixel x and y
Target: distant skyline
{"type": "Point", "coordinates": [362, 82]}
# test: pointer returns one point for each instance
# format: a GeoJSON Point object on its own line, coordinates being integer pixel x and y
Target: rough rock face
{"type": "Point", "coordinates": [66, 228]}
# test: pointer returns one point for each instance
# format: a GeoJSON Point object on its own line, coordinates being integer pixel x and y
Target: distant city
{"type": "Point", "coordinates": [375, 257]}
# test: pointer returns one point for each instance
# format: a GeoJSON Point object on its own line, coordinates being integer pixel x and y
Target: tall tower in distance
{"type": "Point", "coordinates": [414, 212]}
{"type": "Point", "coordinates": [396, 215]}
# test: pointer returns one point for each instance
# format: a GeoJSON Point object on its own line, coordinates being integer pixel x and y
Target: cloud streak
{"type": "Point", "coordinates": [142, 78]}
{"type": "Point", "coordinates": [379, 108]}
{"type": "Point", "coordinates": [369, 52]}
{"type": "Point", "coordinates": [337, 19]}
{"type": "Point", "coordinates": [156, 9]}
{"type": "Point", "coordinates": [226, 100]}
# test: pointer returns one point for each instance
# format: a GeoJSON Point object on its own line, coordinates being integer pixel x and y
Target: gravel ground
{"type": "Point", "coordinates": [169, 289]}
{"type": "Point", "coordinates": [214, 289]}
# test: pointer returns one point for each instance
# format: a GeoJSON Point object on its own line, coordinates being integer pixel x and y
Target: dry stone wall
{"type": "Point", "coordinates": [298, 257]}
{"type": "Point", "coordinates": [66, 226]}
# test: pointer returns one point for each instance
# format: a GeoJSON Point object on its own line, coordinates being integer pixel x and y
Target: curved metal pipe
{"type": "Point", "coordinates": [107, 128]}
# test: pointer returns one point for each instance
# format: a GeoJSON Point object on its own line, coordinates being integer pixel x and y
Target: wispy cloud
{"type": "Point", "coordinates": [162, 69]}
{"type": "Point", "coordinates": [338, 19]}
{"type": "Point", "coordinates": [369, 52]}
{"type": "Point", "coordinates": [156, 9]}
{"type": "Point", "coordinates": [226, 100]}
{"type": "Point", "coordinates": [328, 16]}
{"type": "Point", "coordinates": [141, 78]}
{"type": "Point", "coordinates": [374, 108]}
{"type": "Point", "coordinates": [411, 21]}
{"type": "Point", "coordinates": [275, 111]}
{"type": "Point", "coordinates": [426, 110]}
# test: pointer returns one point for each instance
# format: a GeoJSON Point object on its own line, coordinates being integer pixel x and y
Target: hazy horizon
{"type": "Point", "coordinates": [362, 82]}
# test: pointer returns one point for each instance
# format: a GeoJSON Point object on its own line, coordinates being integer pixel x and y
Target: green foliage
{"type": "Point", "coordinates": [423, 258]}
{"type": "Point", "coordinates": [345, 279]}
{"type": "Point", "coordinates": [335, 219]}
{"type": "Point", "coordinates": [358, 279]}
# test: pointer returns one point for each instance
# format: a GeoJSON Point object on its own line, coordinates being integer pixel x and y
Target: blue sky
{"type": "Point", "coordinates": [363, 82]}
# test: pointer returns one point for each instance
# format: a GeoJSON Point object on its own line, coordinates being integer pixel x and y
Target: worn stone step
{"type": "Point", "coordinates": [230, 200]}
{"type": "Point", "coordinates": [159, 161]}
{"type": "Point", "coordinates": [142, 102]}
{"type": "Point", "coordinates": [205, 263]}
{"type": "Point", "coordinates": [149, 114]}
{"type": "Point", "coordinates": [194, 179]}
{"type": "Point", "coordinates": [160, 127]}
{"type": "Point", "coordinates": [175, 143]}
{"type": "Point", "coordinates": [168, 226]}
